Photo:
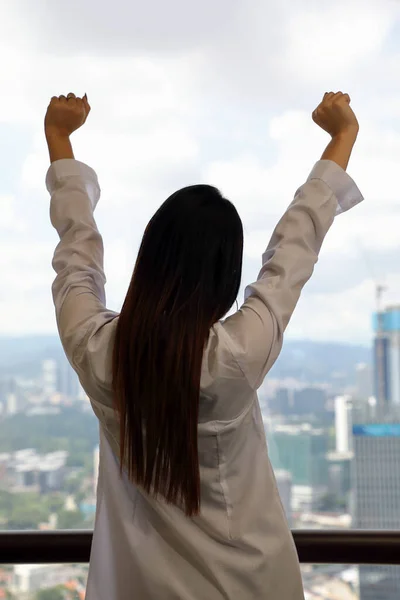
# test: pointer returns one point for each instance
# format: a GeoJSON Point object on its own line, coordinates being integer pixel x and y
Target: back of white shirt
{"type": "Point", "coordinates": [240, 546]}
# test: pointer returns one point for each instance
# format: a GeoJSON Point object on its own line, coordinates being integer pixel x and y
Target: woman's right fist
{"type": "Point", "coordinates": [335, 116]}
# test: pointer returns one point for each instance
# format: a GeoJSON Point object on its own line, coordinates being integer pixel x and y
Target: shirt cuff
{"type": "Point", "coordinates": [69, 167]}
{"type": "Point", "coordinates": [340, 183]}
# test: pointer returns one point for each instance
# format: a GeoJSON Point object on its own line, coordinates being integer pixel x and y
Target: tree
{"type": "Point", "coordinates": [56, 503]}
{"type": "Point", "coordinates": [329, 503]}
{"type": "Point", "coordinates": [73, 484]}
{"type": "Point", "coordinates": [27, 516]}
{"type": "Point", "coordinates": [55, 593]}
{"type": "Point", "coordinates": [70, 429]}
{"type": "Point", "coordinates": [70, 520]}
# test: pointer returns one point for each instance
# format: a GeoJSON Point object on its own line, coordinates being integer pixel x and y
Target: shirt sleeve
{"type": "Point", "coordinates": [254, 333]}
{"type": "Point", "coordinates": [78, 289]}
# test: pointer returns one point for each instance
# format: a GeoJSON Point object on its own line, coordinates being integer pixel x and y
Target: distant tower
{"type": "Point", "coordinates": [387, 357]}
{"type": "Point", "coordinates": [12, 404]}
{"type": "Point", "coordinates": [67, 381]}
{"type": "Point", "coordinates": [376, 486]}
{"type": "Point", "coordinates": [343, 405]}
{"type": "Point", "coordinates": [49, 377]}
{"type": "Point", "coordinates": [364, 388]}
{"type": "Point", "coordinates": [381, 363]}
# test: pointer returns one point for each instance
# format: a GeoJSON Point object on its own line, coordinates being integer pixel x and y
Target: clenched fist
{"type": "Point", "coordinates": [65, 115]}
{"type": "Point", "coordinates": [335, 116]}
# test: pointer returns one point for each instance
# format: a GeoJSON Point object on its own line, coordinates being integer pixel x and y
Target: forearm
{"type": "Point", "coordinates": [59, 146]}
{"type": "Point", "coordinates": [339, 148]}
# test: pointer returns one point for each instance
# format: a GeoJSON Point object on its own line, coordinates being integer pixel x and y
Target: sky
{"type": "Point", "coordinates": [211, 92]}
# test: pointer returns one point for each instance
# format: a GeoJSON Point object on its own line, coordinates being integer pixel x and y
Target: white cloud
{"type": "Point", "coordinates": [336, 316]}
{"type": "Point", "coordinates": [333, 38]}
{"type": "Point", "coordinates": [229, 103]}
{"type": "Point", "coordinates": [341, 316]}
{"type": "Point", "coordinates": [9, 221]}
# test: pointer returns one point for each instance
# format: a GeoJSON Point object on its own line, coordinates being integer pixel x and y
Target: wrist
{"type": "Point", "coordinates": [347, 135]}
{"type": "Point", "coordinates": [55, 134]}
{"type": "Point", "coordinates": [59, 145]}
{"type": "Point", "coordinates": [340, 147]}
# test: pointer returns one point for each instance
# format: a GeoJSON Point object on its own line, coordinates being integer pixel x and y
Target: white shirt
{"type": "Point", "coordinates": [240, 547]}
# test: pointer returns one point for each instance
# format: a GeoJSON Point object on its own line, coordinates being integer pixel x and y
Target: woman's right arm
{"type": "Point", "coordinates": [254, 334]}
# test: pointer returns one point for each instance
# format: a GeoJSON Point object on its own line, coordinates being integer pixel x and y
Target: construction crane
{"type": "Point", "coordinates": [380, 333]}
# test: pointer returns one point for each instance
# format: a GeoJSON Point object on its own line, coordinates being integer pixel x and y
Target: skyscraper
{"type": "Point", "coordinates": [67, 380]}
{"type": "Point", "coordinates": [387, 356]}
{"type": "Point", "coordinates": [302, 451]}
{"type": "Point", "coordinates": [343, 406]}
{"type": "Point", "coordinates": [376, 485]}
{"type": "Point", "coordinates": [364, 387]}
{"type": "Point", "coordinates": [49, 377]}
{"type": "Point", "coordinates": [376, 445]}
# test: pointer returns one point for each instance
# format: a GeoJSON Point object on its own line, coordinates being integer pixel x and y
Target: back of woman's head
{"type": "Point", "coordinates": [186, 278]}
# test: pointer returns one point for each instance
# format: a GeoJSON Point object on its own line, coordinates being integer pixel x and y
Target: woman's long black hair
{"type": "Point", "coordinates": [186, 278]}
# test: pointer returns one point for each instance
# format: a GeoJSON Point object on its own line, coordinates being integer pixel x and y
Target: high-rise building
{"type": "Point", "coordinates": [387, 356]}
{"type": "Point", "coordinates": [49, 377]}
{"type": "Point", "coordinates": [281, 403]}
{"type": "Point", "coordinates": [12, 404]}
{"type": "Point", "coordinates": [343, 406]}
{"type": "Point", "coordinates": [364, 387]}
{"type": "Point", "coordinates": [299, 402]}
{"type": "Point", "coordinates": [29, 579]}
{"type": "Point", "coordinates": [67, 380]}
{"type": "Point", "coordinates": [309, 401]}
{"type": "Point", "coordinates": [376, 488]}
{"type": "Point", "coordinates": [376, 445]}
{"type": "Point", "coordinates": [7, 386]}
{"type": "Point", "coordinates": [302, 451]}
{"type": "Point", "coordinates": [339, 469]}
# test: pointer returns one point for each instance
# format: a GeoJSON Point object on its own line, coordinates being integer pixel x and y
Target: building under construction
{"type": "Point", "coordinates": [387, 356]}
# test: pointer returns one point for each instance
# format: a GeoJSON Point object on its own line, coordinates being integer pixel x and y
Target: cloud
{"type": "Point", "coordinates": [9, 221]}
{"type": "Point", "coordinates": [25, 295]}
{"type": "Point", "coordinates": [221, 96]}
{"type": "Point", "coordinates": [334, 38]}
{"type": "Point", "coordinates": [342, 315]}
{"type": "Point", "coordinates": [99, 28]}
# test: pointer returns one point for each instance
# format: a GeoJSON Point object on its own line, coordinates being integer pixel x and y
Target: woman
{"type": "Point", "coordinates": [187, 503]}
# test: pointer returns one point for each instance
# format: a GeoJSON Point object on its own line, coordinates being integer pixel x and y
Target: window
{"type": "Point", "coordinates": [219, 93]}
{"type": "Point", "coordinates": [68, 582]}
{"type": "Point", "coordinates": [43, 582]}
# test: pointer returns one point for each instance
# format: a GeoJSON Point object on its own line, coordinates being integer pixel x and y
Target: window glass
{"type": "Point", "coordinates": [321, 582]}
{"type": "Point", "coordinates": [219, 93]}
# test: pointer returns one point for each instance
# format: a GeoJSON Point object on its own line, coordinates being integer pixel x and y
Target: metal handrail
{"type": "Point", "coordinates": [314, 547]}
